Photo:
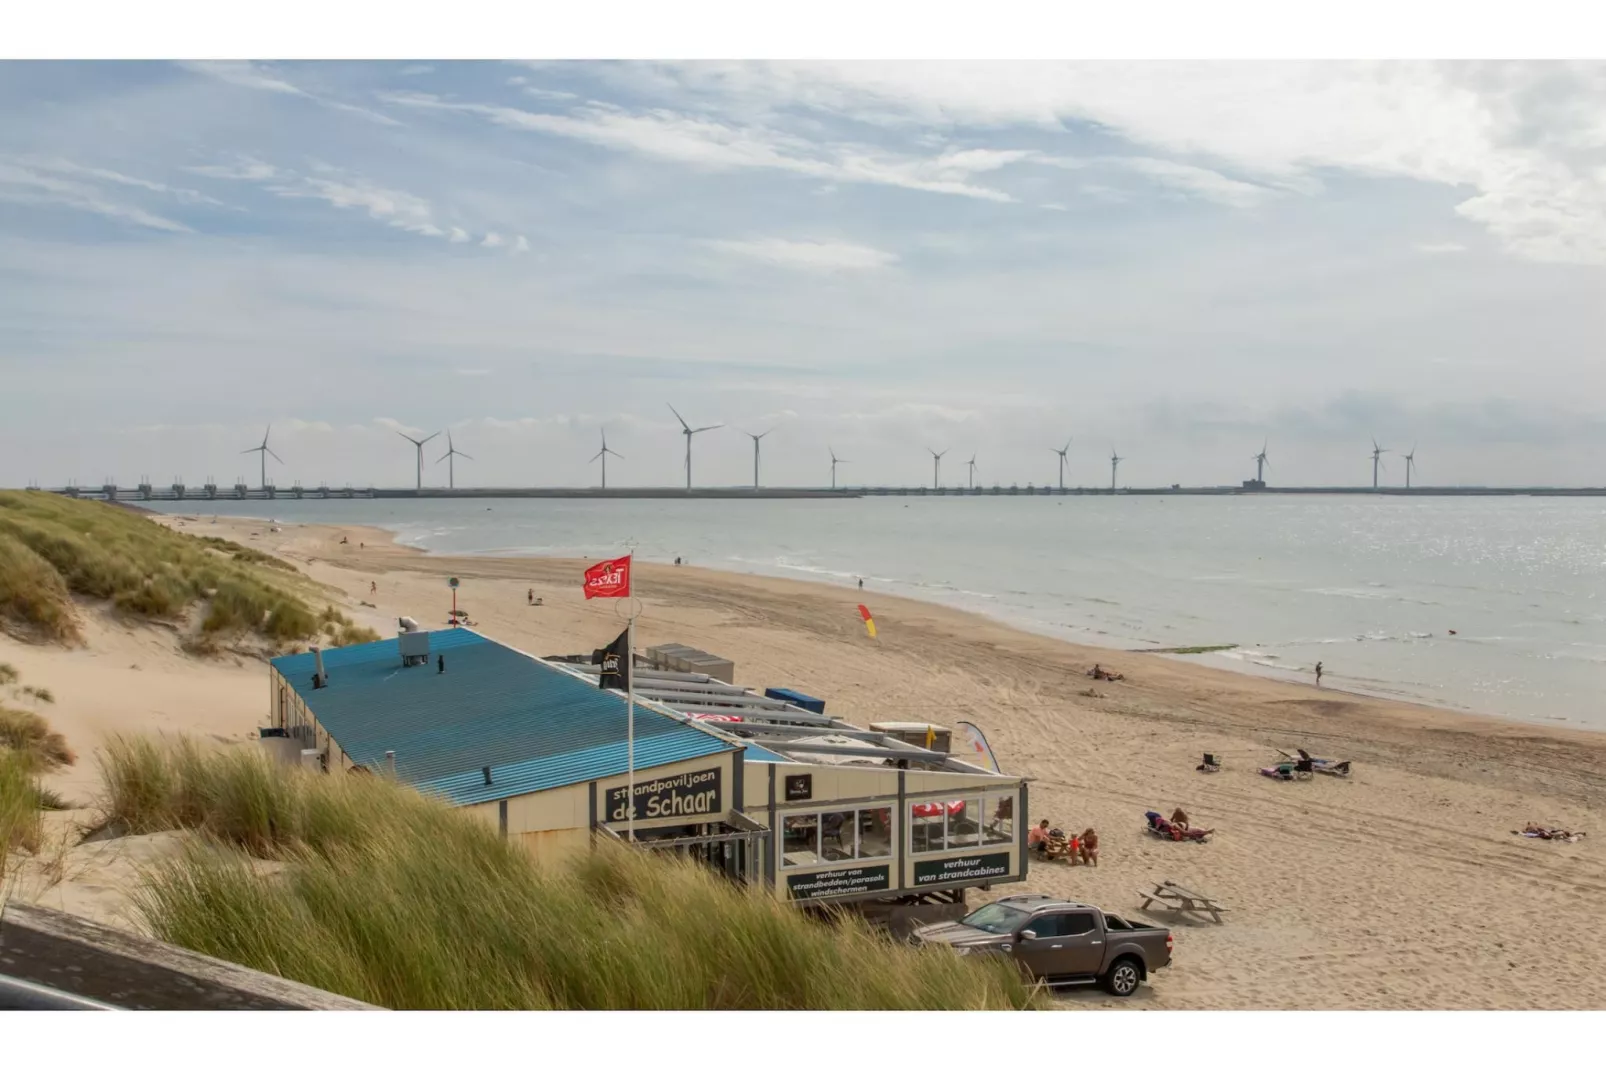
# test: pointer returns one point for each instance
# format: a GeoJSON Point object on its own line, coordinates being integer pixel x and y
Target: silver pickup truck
{"type": "Point", "coordinates": [1059, 942]}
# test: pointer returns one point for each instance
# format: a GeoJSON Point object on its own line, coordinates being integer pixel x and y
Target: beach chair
{"type": "Point", "coordinates": [1304, 769]}
{"type": "Point", "coordinates": [1280, 771]}
{"type": "Point", "coordinates": [1211, 764]}
{"type": "Point", "coordinates": [1339, 769]}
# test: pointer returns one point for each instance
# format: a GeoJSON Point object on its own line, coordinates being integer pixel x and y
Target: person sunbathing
{"type": "Point", "coordinates": [1088, 847]}
{"type": "Point", "coordinates": [1179, 819]}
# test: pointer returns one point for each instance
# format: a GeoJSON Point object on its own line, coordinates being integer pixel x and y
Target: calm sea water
{"type": "Point", "coordinates": [1370, 587]}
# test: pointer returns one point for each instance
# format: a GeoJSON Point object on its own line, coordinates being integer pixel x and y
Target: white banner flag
{"type": "Point", "coordinates": [972, 739]}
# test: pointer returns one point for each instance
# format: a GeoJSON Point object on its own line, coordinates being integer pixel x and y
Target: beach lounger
{"type": "Point", "coordinates": [1329, 766]}
{"type": "Point", "coordinates": [1211, 764]}
{"type": "Point", "coordinates": [1280, 771]}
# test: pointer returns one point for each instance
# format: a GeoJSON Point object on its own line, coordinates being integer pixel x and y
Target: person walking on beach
{"type": "Point", "coordinates": [529, 597]}
{"type": "Point", "coordinates": [861, 583]}
{"type": "Point", "coordinates": [1318, 674]}
{"type": "Point", "coordinates": [373, 588]}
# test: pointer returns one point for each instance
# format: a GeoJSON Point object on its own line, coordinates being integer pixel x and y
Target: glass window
{"type": "Point", "coordinates": [1075, 924]}
{"type": "Point", "coordinates": [994, 918]}
{"type": "Point", "coordinates": [875, 833]}
{"type": "Point", "coordinates": [839, 835]}
{"type": "Point", "coordinates": [800, 840]}
{"type": "Point", "coordinates": [1000, 824]}
{"type": "Point", "coordinates": [944, 824]}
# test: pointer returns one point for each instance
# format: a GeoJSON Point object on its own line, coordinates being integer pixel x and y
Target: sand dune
{"type": "Point", "coordinates": [1400, 888]}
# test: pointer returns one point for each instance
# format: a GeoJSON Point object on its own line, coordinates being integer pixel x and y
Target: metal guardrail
{"type": "Point", "coordinates": [18, 995]}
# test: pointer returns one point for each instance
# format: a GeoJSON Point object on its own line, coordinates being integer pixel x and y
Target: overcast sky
{"type": "Point", "coordinates": [1178, 261]}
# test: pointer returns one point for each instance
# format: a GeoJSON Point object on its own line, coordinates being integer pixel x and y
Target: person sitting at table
{"type": "Point", "coordinates": [1037, 838]}
{"type": "Point", "coordinates": [1088, 847]}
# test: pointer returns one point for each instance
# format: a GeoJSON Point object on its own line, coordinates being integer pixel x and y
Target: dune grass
{"type": "Point", "coordinates": [390, 897]}
{"type": "Point", "coordinates": [20, 822]}
{"type": "Point", "coordinates": [55, 549]}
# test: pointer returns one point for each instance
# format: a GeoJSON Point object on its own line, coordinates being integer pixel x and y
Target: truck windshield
{"type": "Point", "coordinates": [995, 918]}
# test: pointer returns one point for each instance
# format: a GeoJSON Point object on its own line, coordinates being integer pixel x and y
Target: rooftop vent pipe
{"type": "Point", "coordinates": [319, 677]}
{"type": "Point", "coordinates": [487, 772]}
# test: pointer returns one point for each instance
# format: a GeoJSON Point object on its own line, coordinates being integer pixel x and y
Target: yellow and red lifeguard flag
{"type": "Point", "coordinates": [869, 621]}
{"type": "Point", "coordinates": [609, 579]}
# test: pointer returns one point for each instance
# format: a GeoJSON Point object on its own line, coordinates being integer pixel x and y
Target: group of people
{"type": "Point", "coordinates": [1099, 672]}
{"type": "Point", "coordinates": [1053, 843]}
{"type": "Point", "coordinates": [1177, 828]}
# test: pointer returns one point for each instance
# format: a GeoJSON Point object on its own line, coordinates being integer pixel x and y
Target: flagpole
{"type": "Point", "coordinates": [630, 729]}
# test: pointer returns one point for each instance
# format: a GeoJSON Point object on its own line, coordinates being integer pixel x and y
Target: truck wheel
{"type": "Point", "coordinates": [1122, 979]}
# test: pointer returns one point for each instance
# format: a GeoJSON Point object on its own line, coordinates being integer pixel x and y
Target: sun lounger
{"type": "Point", "coordinates": [1211, 764]}
{"type": "Point", "coordinates": [1170, 896]}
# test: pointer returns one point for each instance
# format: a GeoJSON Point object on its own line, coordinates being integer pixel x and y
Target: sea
{"type": "Point", "coordinates": [1490, 605]}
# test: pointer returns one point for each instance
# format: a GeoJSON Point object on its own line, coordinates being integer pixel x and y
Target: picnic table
{"type": "Point", "coordinates": [1168, 895]}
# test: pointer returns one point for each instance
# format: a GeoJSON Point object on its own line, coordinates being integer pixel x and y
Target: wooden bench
{"type": "Point", "coordinates": [1168, 895]}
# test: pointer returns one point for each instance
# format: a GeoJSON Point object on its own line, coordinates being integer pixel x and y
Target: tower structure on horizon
{"type": "Point", "coordinates": [687, 430]}
{"type": "Point", "coordinates": [266, 453]}
{"type": "Point", "coordinates": [418, 444]}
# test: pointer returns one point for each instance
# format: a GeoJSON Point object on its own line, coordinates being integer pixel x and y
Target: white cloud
{"type": "Point", "coordinates": [493, 240]}
{"type": "Point", "coordinates": [243, 169]}
{"type": "Point", "coordinates": [522, 245]}
{"type": "Point", "coordinates": [394, 207]}
{"type": "Point", "coordinates": [1440, 247]}
{"type": "Point", "coordinates": [717, 146]}
{"type": "Point", "coordinates": [458, 235]}
{"type": "Point", "coordinates": [809, 255]}
{"type": "Point", "coordinates": [1467, 126]}
{"type": "Point", "coordinates": [22, 185]}
{"type": "Point", "coordinates": [248, 75]}
{"type": "Point", "coordinates": [67, 167]}
{"type": "Point", "coordinates": [1187, 179]}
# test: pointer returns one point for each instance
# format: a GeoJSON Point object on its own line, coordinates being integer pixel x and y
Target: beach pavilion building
{"type": "Point", "coordinates": [760, 787]}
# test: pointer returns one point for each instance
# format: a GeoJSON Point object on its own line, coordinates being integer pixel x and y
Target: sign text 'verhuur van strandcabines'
{"type": "Point", "coordinates": [691, 794]}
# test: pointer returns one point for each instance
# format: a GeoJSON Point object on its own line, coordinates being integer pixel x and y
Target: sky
{"type": "Point", "coordinates": [1175, 261]}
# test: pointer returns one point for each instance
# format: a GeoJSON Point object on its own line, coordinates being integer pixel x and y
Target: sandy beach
{"type": "Point", "coordinates": [1402, 887]}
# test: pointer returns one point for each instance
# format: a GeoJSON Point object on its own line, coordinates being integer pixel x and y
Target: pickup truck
{"type": "Point", "coordinates": [1058, 942]}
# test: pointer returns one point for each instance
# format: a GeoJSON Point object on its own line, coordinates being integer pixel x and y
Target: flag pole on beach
{"type": "Point", "coordinates": [611, 579]}
{"type": "Point", "coordinates": [630, 727]}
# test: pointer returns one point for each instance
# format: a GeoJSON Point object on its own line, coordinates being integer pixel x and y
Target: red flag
{"type": "Point", "coordinates": [610, 579]}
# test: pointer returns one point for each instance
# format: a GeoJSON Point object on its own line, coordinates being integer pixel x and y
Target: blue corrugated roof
{"type": "Point", "coordinates": [536, 726]}
{"type": "Point", "coordinates": [755, 753]}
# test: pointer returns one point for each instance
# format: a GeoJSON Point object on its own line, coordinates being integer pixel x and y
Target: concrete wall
{"type": "Point", "coordinates": [73, 955]}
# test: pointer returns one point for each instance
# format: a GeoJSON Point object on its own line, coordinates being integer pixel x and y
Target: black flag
{"type": "Point", "coordinates": [615, 661]}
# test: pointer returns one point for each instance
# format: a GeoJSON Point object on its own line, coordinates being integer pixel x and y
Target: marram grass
{"type": "Point", "coordinates": [393, 898]}
{"type": "Point", "coordinates": [55, 549]}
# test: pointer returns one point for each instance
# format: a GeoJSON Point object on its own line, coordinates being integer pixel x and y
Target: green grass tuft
{"type": "Point", "coordinates": [53, 549]}
{"type": "Point", "coordinates": [394, 898]}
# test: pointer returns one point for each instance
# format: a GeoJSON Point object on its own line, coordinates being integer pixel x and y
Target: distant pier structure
{"type": "Point", "coordinates": [178, 491]}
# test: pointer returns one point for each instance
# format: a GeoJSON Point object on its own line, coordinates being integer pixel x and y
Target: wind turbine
{"type": "Point", "coordinates": [1377, 461]}
{"type": "Point", "coordinates": [1260, 462]}
{"type": "Point", "coordinates": [418, 444]}
{"type": "Point", "coordinates": [1115, 462]}
{"type": "Point", "coordinates": [971, 464]}
{"type": "Point", "coordinates": [604, 453]}
{"type": "Point", "coordinates": [1410, 464]}
{"type": "Point", "coordinates": [687, 430]}
{"type": "Point", "coordinates": [936, 468]}
{"type": "Point", "coordinates": [1063, 462]}
{"type": "Point", "coordinates": [451, 454]}
{"type": "Point", "coordinates": [835, 460]}
{"type": "Point", "coordinates": [755, 439]}
{"type": "Point", "coordinates": [266, 453]}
